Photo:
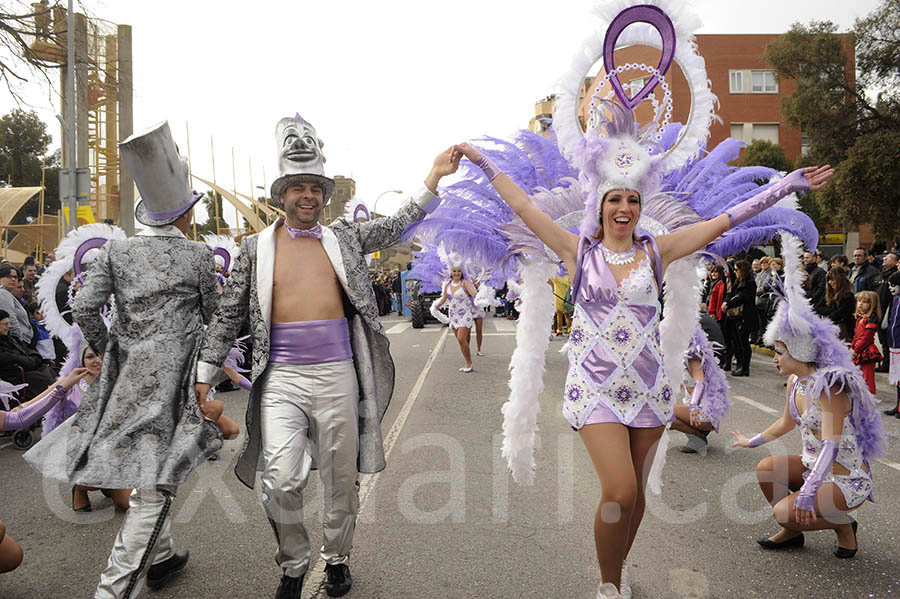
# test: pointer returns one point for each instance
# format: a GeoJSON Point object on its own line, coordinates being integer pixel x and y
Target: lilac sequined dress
{"type": "Point", "coordinates": [460, 308]}
{"type": "Point", "coordinates": [615, 361]}
{"type": "Point", "coordinates": [855, 486]}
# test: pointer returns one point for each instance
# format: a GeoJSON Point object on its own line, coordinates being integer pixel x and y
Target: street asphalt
{"type": "Point", "coordinates": [446, 520]}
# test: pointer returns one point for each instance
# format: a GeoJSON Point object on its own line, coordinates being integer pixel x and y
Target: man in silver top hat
{"type": "Point", "coordinates": [139, 425]}
{"type": "Point", "coordinates": [322, 371]}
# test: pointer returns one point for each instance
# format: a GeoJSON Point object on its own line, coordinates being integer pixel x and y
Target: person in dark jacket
{"type": "Point", "coordinates": [741, 318]}
{"type": "Point", "coordinates": [815, 280]}
{"type": "Point", "coordinates": [883, 288]}
{"type": "Point", "coordinates": [840, 303]}
{"type": "Point", "coordinates": [15, 355]}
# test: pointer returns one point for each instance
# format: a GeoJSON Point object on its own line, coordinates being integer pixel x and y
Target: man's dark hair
{"type": "Point", "coordinates": [6, 269]}
{"type": "Point", "coordinates": [840, 258]}
{"type": "Point", "coordinates": [29, 261]}
{"type": "Point", "coordinates": [32, 308]}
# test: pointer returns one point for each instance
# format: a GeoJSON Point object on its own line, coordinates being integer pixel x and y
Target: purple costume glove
{"type": "Point", "coordinates": [245, 384]}
{"type": "Point", "coordinates": [697, 395]}
{"type": "Point", "coordinates": [747, 209]}
{"type": "Point", "coordinates": [28, 415]}
{"type": "Point", "coordinates": [806, 498]}
{"type": "Point", "coordinates": [489, 168]}
{"type": "Point", "coordinates": [757, 440]}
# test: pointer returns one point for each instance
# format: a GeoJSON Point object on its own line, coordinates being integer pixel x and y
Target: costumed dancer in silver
{"type": "Point", "coordinates": [322, 372]}
{"type": "Point", "coordinates": [140, 426]}
{"type": "Point", "coordinates": [840, 428]}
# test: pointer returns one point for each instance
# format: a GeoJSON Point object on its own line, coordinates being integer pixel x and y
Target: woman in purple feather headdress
{"type": "Point", "coordinates": [841, 430]}
{"type": "Point", "coordinates": [615, 396]}
{"type": "Point", "coordinates": [458, 295]}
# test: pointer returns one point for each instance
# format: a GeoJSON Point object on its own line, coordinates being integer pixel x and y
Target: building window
{"type": "Point", "coordinates": [736, 82]}
{"type": "Point", "coordinates": [763, 82]}
{"type": "Point", "coordinates": [637, 85]}
{"type": "Point", "coordinates": [750, 132]}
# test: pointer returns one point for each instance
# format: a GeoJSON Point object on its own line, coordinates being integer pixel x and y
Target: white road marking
{"type": "Point", "coordinates": [5, 445]}
{"type": "Point", "coordinates": [399, 328]}
{"type": "Point", "coordinates": [503, 325]}
{"type": "Point", "coordinates": [316, 573]}
{"type": "Point", "coordinates": [755, 404]}
{"type": "Point", "coordinates": [889, 464]}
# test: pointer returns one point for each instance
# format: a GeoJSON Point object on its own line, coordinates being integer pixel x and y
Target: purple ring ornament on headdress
{"type": "Point", "coordinates": [638, 14]}
{"type": "Point", "coordinates": [226, 257]}
{"type": "Point", "coordinates": [91, 244]}
{"type": "Point", "coordinates": [365, 211]}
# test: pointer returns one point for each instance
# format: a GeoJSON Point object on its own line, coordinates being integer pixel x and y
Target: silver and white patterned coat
{"type": "Point", "coordinates": [139, 424]}
{"type": "Point", "coordinates": [249, 294]}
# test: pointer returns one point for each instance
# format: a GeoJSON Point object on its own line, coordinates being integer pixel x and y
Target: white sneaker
{"type": "Point", "coordinates": [608, 590]}
{"type": "Point", "coordinates": [626, 583]}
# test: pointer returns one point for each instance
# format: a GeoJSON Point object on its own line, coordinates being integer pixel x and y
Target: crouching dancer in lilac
{"type": "Point", "coordinates": [322, 371]}
{"type": "Point", "coordinates": [840, 428]}
{"type": "Point", "coordinates": [139, 425]}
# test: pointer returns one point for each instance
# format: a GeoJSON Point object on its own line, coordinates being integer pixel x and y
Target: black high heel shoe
{"type": "Point", "coordinates": [792, 542]}
{"type": "Point", "coordinates": [83, 509]}
{"type": "Point", "coordinates": [843, 552]}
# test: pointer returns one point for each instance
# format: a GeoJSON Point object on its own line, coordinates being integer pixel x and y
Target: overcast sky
{"type": "Point", "coordinates": [387, 84]}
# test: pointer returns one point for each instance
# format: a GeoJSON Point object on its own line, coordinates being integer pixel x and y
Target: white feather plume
{"type": "Point", "coordinates": [486, 297]}
{"type": "Point", "coordinates": [65, 255]}
{"type": "Point", "coordinates": [680, 317]}
{"type": "Point", "coordinates": [521, 410]}
{"type": "Point", "coordinates": [438, 315]}
{"type": "Point", "coordinates": [223, 241]}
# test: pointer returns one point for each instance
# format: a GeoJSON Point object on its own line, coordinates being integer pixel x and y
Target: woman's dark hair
{"type": "Point", "coordinates": [894, 278]}
{"type": "Point", "coordinates": [32, 308]}
{"type": "Point", "coordinates": [4, 314]}
{"type": "Point", "coordinates": [842, 290]}
{"type": "Point", "coordinates": [743, 271]}
{"type": "Point", "coordinates": [721, 270]}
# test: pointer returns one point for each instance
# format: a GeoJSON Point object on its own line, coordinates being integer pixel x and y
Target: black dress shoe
{"type": "Point", "coordinates": [339, 580]}
{"type": "Point", "coordinates": [289, 588]}
{"type": "Point", "coordinates": [792, 542]}
{"type": "Point", "coordinates": [843, 552]}
{"type": "Point", "coordinates": [892, 411]}
{"type": "Point", "coordinates": [159, 574]}
{"type": "Point", "coordinates": [739, 372]}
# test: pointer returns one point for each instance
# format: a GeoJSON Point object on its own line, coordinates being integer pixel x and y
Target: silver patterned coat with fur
{"type": "Point", "coordinates": [139, 424]}
{"type": "Point", "coordinates": [249, 294]}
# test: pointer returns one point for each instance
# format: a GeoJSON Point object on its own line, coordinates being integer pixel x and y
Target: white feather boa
{"type": "Point", "coordinates": [680, 317]}
{"type": "Point", "coordinates": [438, 315]}
{"type": "Point", "coordinates": [486, 297]}
{"type": "Point", "coordinates": [521, 410]}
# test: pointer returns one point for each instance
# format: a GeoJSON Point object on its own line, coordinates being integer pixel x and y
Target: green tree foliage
{"type": "Point", "coordinates": [852, 122]}
{"type": "Point", "coordinates": [23, 142]}
{"type": "Point", "coordinates": [765, 153]}
{"type": "Point", "coordinates": [210, 201]}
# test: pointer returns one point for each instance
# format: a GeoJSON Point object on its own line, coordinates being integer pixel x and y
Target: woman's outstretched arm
{"type": "Point", "coordinates": [780, 427]}
{"type": "Point", "coordinates": [564, 243]}
{"type": "Point", "coordinates": [691, 239]}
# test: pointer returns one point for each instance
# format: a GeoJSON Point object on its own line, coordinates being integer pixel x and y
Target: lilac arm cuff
{"type": "Point", "coordinates": [245, 384]}
{"type": "Point", "coordinates": [25, 417]}
{"type": "Point", "coordinates": [747, 209]}
{"type": "Point", "coordinates": [757, 440]}
{"type": "Point", "coordinates": [806, 498]}
{"type": "Point", "coordinates": [697, 395]}
{"type": "Point", "coordinates": [489, 168]}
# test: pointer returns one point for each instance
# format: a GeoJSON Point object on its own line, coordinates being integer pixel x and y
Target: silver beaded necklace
{"type": "Point", "coordinates": [616, 258]}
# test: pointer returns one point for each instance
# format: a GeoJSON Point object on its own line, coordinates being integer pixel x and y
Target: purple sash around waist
{"type": "Point", "coordinates": [310, 342]}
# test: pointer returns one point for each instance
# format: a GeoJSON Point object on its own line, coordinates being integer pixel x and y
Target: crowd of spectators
{"type": "Point", "coordinates": [832, 287]}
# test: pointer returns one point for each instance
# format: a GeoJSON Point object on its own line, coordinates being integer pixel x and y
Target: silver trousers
{"type": "Point", "coordinates": [144, 538]}
{"type": "Point", "coordinates": [309, 413]}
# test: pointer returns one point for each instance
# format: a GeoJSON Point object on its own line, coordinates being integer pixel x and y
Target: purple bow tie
{"type": "Point", "coordinates": [313, 232]}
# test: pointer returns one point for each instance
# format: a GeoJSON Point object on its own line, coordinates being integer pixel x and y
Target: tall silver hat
{"type": "Point", "coordinates": [300, 157]}
{"type": "Point", "coordinates": [161, 174]}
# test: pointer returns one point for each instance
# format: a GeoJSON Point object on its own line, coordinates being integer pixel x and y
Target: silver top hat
{"type": "Point", "coordinates": [161, 174]}
{"type": "Point", "coordinates": [300, 157]}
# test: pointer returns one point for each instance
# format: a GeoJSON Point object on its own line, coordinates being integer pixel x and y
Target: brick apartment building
{"type": "Point", "coordinates": [750, 100]}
